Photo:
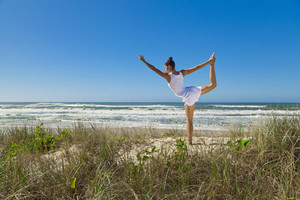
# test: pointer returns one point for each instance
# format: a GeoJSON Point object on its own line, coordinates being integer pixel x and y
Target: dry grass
{"type": "Point", "coordinates": [105, 164]}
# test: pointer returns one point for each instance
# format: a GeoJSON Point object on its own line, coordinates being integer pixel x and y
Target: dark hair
{"type": "Point", "coordinates": [171, 62]}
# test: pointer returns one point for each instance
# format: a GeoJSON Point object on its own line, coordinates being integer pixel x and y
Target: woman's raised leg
{"type": "Point", "coordinates": [213, 82]}
{"type": "Point", "coordinates": [189, 111]}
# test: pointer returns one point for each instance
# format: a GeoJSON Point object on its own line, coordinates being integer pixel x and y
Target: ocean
{"type": "Point", "coordinates": [207, 116]}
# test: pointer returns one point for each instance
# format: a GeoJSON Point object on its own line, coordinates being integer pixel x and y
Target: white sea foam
{"type": "Point", "coordinates": [159, 115]}
{"type": "Point", "coordinates": [240, 106]}
{"type": "Point", "coordinates": [38, 105]}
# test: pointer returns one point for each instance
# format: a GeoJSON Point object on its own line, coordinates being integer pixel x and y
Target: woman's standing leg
{"type": "Point", "coordinates": [189, 111]}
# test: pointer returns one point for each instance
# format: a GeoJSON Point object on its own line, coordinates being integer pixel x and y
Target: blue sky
{"type": "Point", "coordinates": [86, 50]}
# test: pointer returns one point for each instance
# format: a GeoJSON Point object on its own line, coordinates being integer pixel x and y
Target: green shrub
{"type": "Point", "coordinates": [39, 141]}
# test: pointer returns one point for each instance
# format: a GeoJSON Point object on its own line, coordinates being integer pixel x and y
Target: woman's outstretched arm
{"type": "Point", "coordinates": [162, 74]}
{"type": "Point", "coordinates": [193, 69]}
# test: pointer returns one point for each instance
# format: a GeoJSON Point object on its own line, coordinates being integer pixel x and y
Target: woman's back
{"type": "Point", "coordinates": [189, 95]}
{"type": "Point", "coordinates": [176, 84]}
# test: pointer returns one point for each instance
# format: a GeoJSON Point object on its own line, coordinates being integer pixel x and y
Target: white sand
{"type": "Point", "coordinates": [200, 144]}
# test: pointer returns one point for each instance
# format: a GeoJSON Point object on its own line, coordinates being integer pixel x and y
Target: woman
{"type": "Point", "coordinates": [189, 95]}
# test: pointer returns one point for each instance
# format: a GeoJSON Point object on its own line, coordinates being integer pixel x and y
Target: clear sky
{"type": "Point", "coordinates": [86, 50]}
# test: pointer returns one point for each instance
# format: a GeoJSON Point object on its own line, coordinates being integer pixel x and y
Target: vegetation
{"type": "Point", "coordinates": [267, 166]}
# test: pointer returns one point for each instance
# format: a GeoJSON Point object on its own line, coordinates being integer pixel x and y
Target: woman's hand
{"type": "Point", "coordinates": [212, 59]}
{"type": "Point", "coordinates": [141, 58]}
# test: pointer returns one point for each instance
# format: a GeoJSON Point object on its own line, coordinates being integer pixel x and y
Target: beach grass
{"type": "Point", "coordinates": [90, 162]}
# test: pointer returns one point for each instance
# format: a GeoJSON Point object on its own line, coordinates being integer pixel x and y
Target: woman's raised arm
{"type": "Point", "coordinates": [193, 69]}
{"type": "Point", "coordinates": [162, 74]}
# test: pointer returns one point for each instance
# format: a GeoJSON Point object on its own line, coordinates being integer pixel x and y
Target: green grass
{"type": "Point", "coordinates": [265, 167]}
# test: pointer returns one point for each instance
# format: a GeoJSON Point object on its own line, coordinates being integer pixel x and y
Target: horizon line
{"type": "Point", "coordinates": [143, 102]}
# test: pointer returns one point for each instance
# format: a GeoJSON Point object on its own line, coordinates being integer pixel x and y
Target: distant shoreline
{"type": "Point", "coordinates": [204, 102]}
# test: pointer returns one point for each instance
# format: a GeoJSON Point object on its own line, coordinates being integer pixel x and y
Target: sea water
{"type": "Point", "coordinates": [207, 116]}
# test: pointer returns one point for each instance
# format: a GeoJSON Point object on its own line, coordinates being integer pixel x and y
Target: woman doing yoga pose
{"type": "Point", "coordinates": [191, 94]}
